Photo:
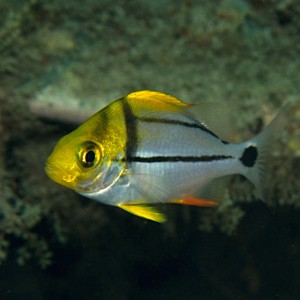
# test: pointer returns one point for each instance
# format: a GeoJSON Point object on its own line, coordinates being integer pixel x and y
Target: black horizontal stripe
{"type": "Point", "coordinates": [177, 122]}
{"type": "Point", "coordinates": [167, 159]}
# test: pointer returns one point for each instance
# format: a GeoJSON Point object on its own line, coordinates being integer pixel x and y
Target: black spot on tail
{"type": "Point", "coordinates": [249, 156]}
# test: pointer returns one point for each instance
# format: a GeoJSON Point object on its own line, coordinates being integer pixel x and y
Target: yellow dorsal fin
{"type": "Point", "coordinates": [155, 101]}
{"type": "Point", "coordinates": [144, 211]}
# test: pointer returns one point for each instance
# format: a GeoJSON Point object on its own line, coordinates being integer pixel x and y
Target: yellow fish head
{"type": "Point", "coordinates": [74, 163]}
{"type": "Point", "coordinates": [84, 160]}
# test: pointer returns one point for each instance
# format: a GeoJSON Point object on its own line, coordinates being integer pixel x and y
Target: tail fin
{"type": "Point", "coordinates": [256, 155]}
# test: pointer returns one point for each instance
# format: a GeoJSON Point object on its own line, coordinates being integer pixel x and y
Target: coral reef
{"type": "Point", "coordinates": [61, 61]}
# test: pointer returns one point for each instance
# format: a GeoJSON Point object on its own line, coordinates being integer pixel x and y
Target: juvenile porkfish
{"type": "Point", "coordinates": [148, 148]}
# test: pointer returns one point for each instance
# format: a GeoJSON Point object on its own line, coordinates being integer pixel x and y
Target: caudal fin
{"type": "Point", "coordinates": [257, 152]}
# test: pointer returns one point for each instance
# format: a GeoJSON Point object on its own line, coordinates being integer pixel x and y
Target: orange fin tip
{"type": "Point", "coordinates": [191, 200]}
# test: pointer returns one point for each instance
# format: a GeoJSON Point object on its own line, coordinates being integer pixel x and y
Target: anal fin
{"type": "Point", "coordinates": [191, 200]}
{"type": "Point", "coordinates": [144, 211]}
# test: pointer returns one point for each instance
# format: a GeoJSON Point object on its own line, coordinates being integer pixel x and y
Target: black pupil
{"type": "Point", "coordinates": [90, 156]}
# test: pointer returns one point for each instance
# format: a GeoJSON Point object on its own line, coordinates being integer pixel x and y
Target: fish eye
{"type": "Point", "coordinates": [89, 154]}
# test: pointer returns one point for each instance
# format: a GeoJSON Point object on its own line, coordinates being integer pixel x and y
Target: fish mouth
{"type": "Point", "coordinates": [60, 176]}
{"type": "Point", "coordinates": [53, 172]}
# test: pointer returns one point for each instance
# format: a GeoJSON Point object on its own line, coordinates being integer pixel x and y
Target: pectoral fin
{"type": "Point", "coordinates": [191, 200]}
{"type": "Point", "coordinates": [144, 211]}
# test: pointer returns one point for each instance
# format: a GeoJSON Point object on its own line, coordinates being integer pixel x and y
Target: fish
{"type": "Point", "coordinates": [149, 147]}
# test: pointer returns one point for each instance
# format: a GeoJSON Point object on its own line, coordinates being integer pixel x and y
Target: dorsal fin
{"type": "Point", "coordinates": [155, 101]}
{"type": "Point", "coordinates": [217, 116]}
{"type": "Point", "coordinates": [214, 115]}
{"type": "Point", "coordinates": [156, 97]}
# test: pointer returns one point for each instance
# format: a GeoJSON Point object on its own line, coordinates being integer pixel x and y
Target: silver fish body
{"type": "Point", "coordinates": [149, 147]}
{"type": "Point", "coordinates": [171, 155]}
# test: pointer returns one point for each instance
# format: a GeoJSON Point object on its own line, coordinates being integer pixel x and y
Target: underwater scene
{"type": "Point", "coordinates": [138, 203]}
